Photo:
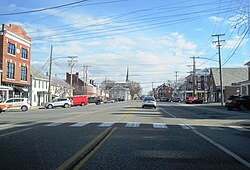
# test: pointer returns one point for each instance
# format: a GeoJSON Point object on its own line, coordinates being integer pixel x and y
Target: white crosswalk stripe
{"type": "Point", "coordinates": [106, 124]}
{"type": "Point", "coordinates": [55, 124]}
{"type": "Point", "coordinates": [160, 125]}
{"type": "Point", "coordinates": [79, 124]}
{"type": "Point", "coordinates": [132, 124]}
{"type": "Point", "coordinates": [186, 126]}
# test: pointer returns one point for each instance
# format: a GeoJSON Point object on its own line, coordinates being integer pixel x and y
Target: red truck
{"type": "Point", "coordinates": [190, 100]}
{"type": "Point", "coordinates": [79, 100]}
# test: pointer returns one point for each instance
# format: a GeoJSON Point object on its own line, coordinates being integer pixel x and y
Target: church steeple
{"type": "Point", "coordinates": [127, 75]}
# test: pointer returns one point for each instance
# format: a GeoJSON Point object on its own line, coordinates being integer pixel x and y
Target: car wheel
{"type": "Point", "coordinates": [50, 106]}
{"type": "Point", "coordinates": [242, 107]}
{"type": "Point", "coordinates": [66, 105]}
{"type": "Point", "coordinates": [24, 108]}
{"type": "Point", "coordinates": [154, 107]}
{"type": "Point", "coordinates": [83, 104]}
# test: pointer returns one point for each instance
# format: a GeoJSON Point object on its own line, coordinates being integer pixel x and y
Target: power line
{"type": "Point", "coordinates": [43, 9]}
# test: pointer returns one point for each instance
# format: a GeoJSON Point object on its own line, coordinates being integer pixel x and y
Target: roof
{"type": "Point", "coordinates": [37, 74]}
{"type": "Point", "coordinates": [118, 87]}
{"type": "Point", "coordinates": [248, 63]}
{"type": "Point", "coordinates": [229, 75]}
{"type": "Point", "coordinates": [55, 81]}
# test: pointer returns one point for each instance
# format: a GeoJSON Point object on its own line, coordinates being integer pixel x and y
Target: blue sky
{"type": "Point", "coordinates": [153, 38]}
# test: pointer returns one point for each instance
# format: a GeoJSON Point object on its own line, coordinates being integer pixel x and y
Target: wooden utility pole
{"type": "Point", "coordinates": [194, 77]}
{"type": "Point", "coordinates": [72, 62]}
{"type": "Point", "coordinates": [50, 70]}
{"type": "Point", "coordinates": [219, 45]}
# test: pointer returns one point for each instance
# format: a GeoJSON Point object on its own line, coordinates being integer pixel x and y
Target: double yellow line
{"type": "Point", "coordinates": [76, 161]}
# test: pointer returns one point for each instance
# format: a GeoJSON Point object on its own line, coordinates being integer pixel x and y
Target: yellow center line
{"type": "Point", "coordinates": [82, 162]}
{"type": "Point", "coordinates": [73, 158]}
{"type": "Point", "coordinates": [128, 113]}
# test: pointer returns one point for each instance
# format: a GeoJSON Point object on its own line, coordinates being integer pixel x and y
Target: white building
{"type": "Point", "coordinates": [119, 92]}
{"type": "Point", "coordinates": [39, 87]}
{"type": "Point", "coordinates": [59, 88]}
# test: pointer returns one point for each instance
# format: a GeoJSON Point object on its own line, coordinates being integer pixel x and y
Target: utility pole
{"type": "Point", "coordinates": [194, 76]}
{"type": "Point", "coordinates": [153, 89]}
{"type": "Point", "coordinates": [219, 45]}
{"type": "Point", "coordinates": [72, 62]}
{"type": "Point", "coordinates": [50, 68]}
{"type": "Point", "coordinates": [176, 79]}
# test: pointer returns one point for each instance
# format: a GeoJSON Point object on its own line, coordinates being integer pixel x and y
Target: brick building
{"type": "Point", "coordinates": [15, 47]}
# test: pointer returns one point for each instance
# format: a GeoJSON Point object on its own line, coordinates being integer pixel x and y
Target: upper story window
{"type": "Point", "coordinates": [23, 73]}
{"type": "Point", "coordinates": [10, 71]}
{"type": "Point", "coordinates": [11, 48]}
{"type": "Point", "coordinates": [24, 53]}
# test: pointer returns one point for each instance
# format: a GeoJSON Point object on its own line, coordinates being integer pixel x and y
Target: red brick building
{"type": "Point", "coordinates": [15, 47]}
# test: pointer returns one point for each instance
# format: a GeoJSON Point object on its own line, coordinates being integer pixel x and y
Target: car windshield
{"type": "Point", "coordinates": [149, 99]}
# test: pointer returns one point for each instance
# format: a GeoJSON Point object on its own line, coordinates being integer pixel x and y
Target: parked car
{"type": "Point", "coordinates": [238, 102]}
{"type": "Point", "coordinates": [95, 100]}
{"type": "Point", "coordinates": [149, 101]}
{"type": "Point", "coordinates": [22, 104]}
{"type": "Point", "coordinates": [231, 100]}
{"type": "Point", "coordinates": [79, 100]}
{"type": "Point", "coordinates": [164, 99]}
{"type": "Point", "coordinates": [58, 102]}
{"type": "Point", "coordinates": [176, 100]}
{"type": "Point", "coordinates": [190, 100]}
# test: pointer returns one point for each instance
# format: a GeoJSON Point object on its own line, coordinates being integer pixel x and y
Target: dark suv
{"type": "Point", "coordinates": [238, 102]}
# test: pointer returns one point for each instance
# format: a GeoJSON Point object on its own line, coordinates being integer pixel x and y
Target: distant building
{"type": "Point", "coordinates": [244, 86]}
{"type": "Point", "coordinates": [39, 87]}
{"type": "Point", "coordinates": [229, 77]}
{"type": "Point", "coordinates": [119, 92]}
{"type": "Point", "coordinates": [164, 90]}
{"type": "Point", "coordinates": [59, 88]}
{"type": "Point", "coordinates": [15, 49]}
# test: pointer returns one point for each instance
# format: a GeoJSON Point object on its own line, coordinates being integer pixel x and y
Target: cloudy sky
{"type": "Point", "coordinates": [154, 39]}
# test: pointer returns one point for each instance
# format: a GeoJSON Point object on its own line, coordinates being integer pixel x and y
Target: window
{"type": "Point", "coordinates": [23, 73]}
{"type": "Point", "coordinates": [10, 70]}
{"type": "Point", "coordinates": [11, 48]}
{"type": "Point", "coordinates": [35, 83]}
{"type": "Point", "coordinates": [24, 53]}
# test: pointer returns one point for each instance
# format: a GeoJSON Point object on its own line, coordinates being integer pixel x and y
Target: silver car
{"type": "Point", "coordinates": [58, 102]}
{"type": "Point", "coordinates": [149, 101]}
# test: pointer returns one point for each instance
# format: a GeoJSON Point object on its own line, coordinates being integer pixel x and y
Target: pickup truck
{"type": "Point", "coordinates": [190, 100]}
{"type": "Point", "coordinates": [95, 100]}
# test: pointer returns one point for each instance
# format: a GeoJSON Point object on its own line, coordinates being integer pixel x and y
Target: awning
{"type": "Point", "coordinates": [21, 89]}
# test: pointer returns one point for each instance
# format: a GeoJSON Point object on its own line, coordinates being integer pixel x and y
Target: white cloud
{"type": "Point", "coordinates": [215, 19]}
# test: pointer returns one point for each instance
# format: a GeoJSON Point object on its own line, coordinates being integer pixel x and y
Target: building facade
{"type": "Point", "coordinates": [119, 93]}
{"type": "Point", "coordinates": [15, 48]}
{"type": "Point", "coordinates": [39, 87]}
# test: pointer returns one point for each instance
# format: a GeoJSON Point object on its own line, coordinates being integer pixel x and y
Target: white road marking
{"type": "Point", "coordinates": [167, 113]}
{"type": "Point", "coordinates": [106, 124]}
{"type": "Point", "coordinates": [18, 131]}
{"type": "Point", "coordinates": [186, 126]}
{"type": "Point", "coordinates": [241, 160]}
{"type": "Point", "coordinates": [55, 124]}
{"type": "Point", "coordinates": [160, 125]}
{"type": "Point", "coordinates": [79, 124]}
{"type": "Point", "coordinates": [133, 124]}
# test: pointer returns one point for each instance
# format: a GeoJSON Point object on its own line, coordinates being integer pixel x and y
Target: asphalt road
{"type": "Point", "coordinates": [125, 136]}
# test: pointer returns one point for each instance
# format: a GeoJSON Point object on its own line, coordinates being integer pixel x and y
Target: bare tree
{"type": "Point", "coordinates": [135, 89]}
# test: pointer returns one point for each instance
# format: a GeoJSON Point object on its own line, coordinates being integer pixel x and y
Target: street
{"type": "Point", "coordinates": [124, 136]}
